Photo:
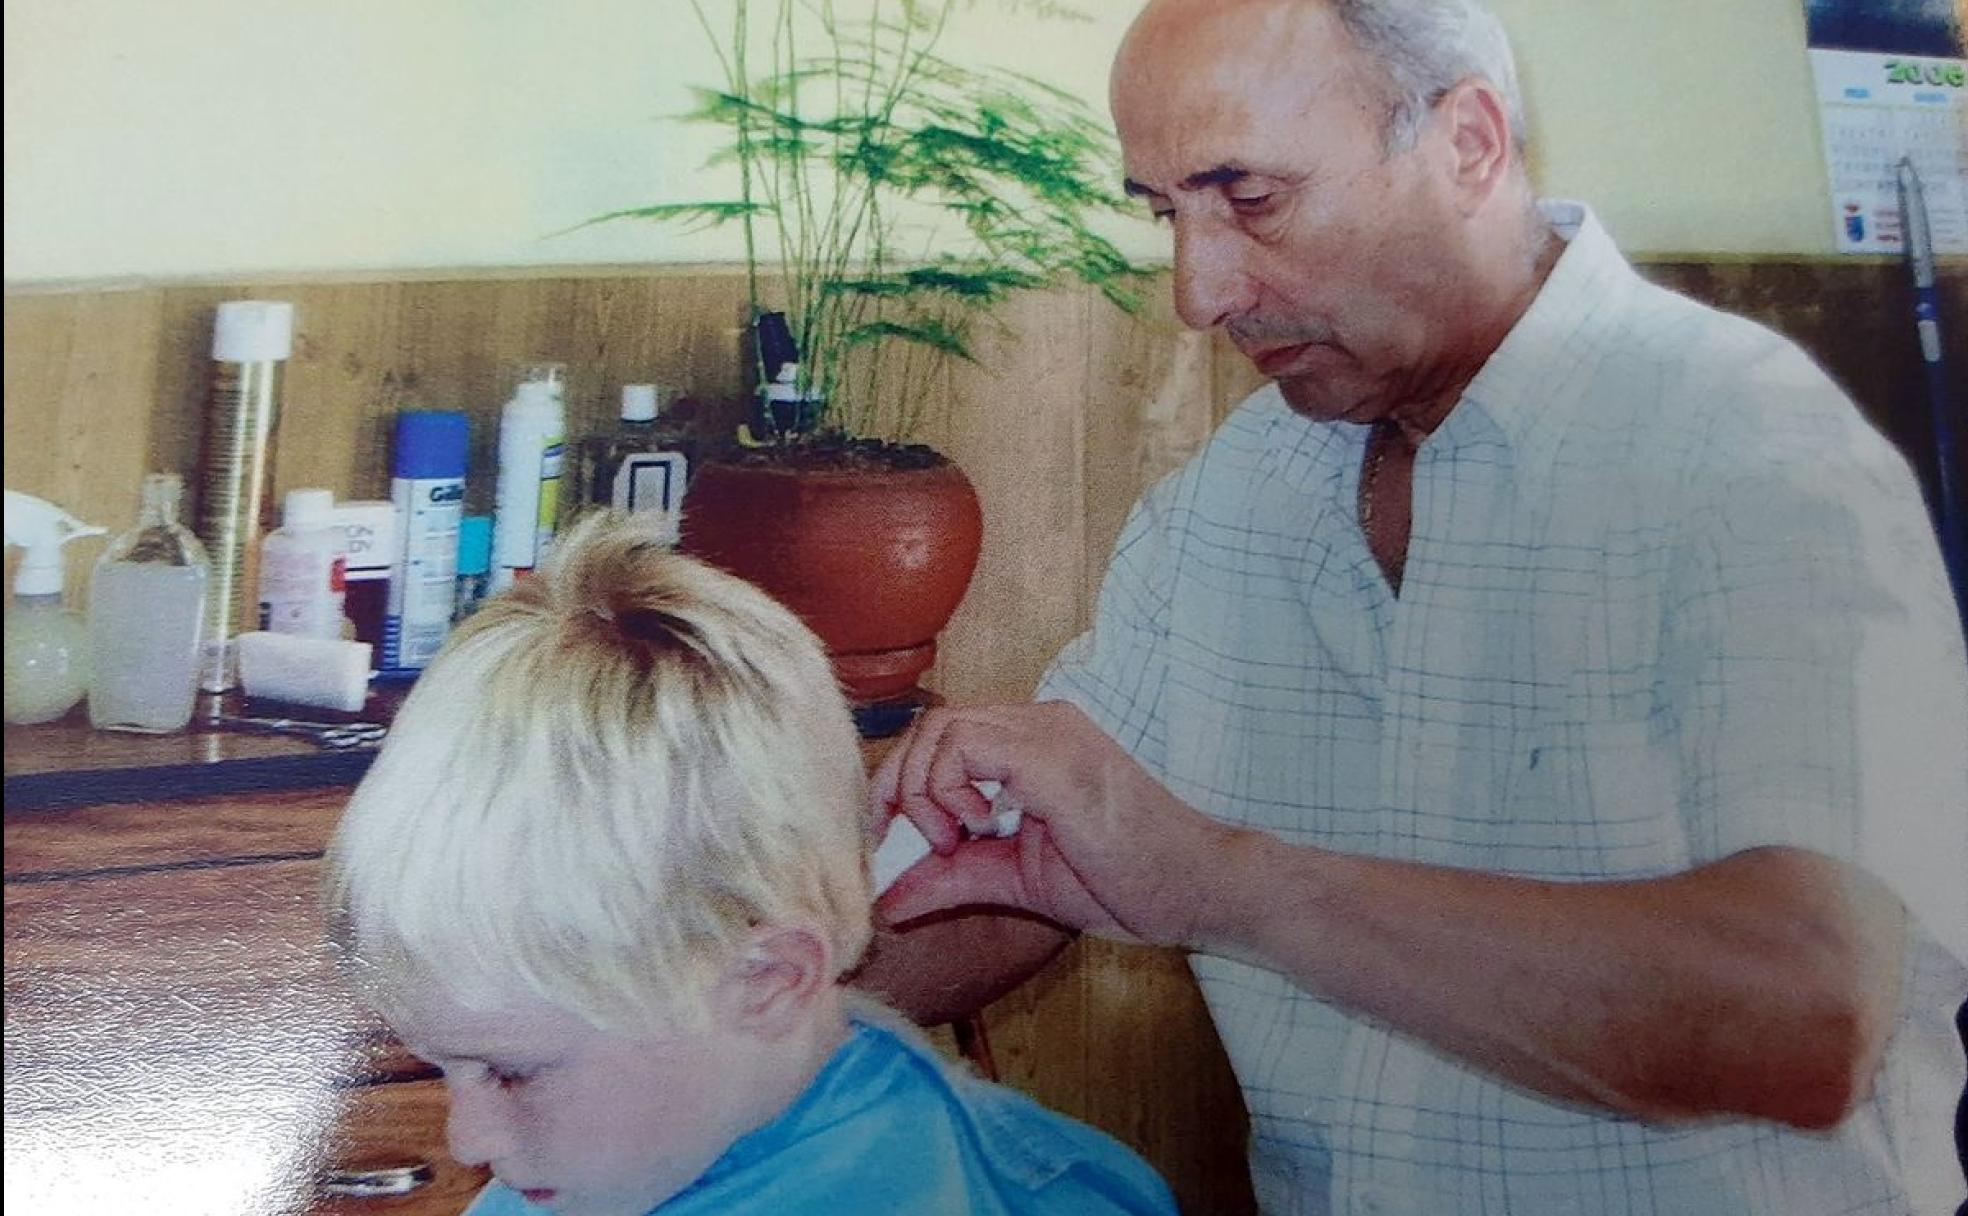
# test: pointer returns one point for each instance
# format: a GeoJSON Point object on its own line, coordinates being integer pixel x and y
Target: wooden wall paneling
{"type": "Point", "coordinates": [1044, 1042]}
{"type": "Point", "coordinates": [1020, 442]}
{"type": "Point", "coordinates": [1147, 410]}
{"type": "Point", "coordinates": [1160, 1078]}
{"type": "Point", "coordinates": [342, 387]}
{"type": "Point", "coordinates": [81, 397]}
{"type": "Point", "coordinates": [684, 331]}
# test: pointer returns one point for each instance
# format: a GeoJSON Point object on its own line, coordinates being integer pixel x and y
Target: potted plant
{"type": "Point", "coordinates": [861, 152]}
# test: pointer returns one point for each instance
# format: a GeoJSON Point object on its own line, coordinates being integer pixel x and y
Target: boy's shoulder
{"type": "Point", "coordinates": [1032, 1159]}
{"type": "Point", "coordinates": [890, 1127]}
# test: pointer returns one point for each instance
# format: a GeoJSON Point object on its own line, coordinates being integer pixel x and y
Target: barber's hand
{"type": "Point", "coordinates": [1103, 847]}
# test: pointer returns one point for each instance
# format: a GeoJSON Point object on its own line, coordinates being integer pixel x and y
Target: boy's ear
{"type": "Point", "coordinates": [772, 987]}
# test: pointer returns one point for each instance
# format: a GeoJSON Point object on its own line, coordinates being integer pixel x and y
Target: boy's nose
{"type": "Point", "coordinates": [478, 1129]}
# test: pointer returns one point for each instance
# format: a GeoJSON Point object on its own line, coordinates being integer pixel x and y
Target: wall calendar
{"type": "Point", "coordinates": [1892, 82]}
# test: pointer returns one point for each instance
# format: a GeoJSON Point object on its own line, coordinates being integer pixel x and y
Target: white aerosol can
{"type": "Point", "coordinates": [532, 450]}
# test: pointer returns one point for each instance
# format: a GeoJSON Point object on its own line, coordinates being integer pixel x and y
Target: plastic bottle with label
{"type": "Point", "coordinates": [304, 568]}
{"type": "Point", "coordinates": [368, 529]}
{"type": "Point", "coordinates": [474, 565]}
{"type": "Point", "coordinates": [47, 649]}
{"type": "Point", "coordinates": [532, 448]}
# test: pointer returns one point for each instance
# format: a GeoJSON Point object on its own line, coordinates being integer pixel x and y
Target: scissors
{"type": "Point", "coordinates": [336, 735]}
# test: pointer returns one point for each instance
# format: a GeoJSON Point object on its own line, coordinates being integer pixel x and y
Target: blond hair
{"type": "Point", "coordinates": [607, 779]}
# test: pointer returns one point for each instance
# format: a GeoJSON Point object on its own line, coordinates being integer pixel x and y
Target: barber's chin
{"type": "Point", "coordinates": [1320, 400]}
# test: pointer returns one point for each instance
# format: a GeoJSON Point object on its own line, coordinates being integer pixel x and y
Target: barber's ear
{"type": "Point", "coordinates": [1479, 143]}
{"type": "Point", "coordinates": [769, 990]}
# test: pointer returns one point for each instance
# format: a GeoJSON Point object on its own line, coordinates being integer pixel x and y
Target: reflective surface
{"type": "Point", "coordinates": [177, 1040]}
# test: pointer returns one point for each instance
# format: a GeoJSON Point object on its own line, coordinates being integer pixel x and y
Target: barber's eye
{"type": "Point", "coordinates": [1250, 204]}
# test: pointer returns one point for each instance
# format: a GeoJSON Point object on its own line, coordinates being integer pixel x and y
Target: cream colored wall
{"type": "Point", "coordinates": [220, 137]}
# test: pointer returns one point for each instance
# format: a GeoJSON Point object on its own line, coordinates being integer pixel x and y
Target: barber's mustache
{"type": "Point", "coordinates": [1271, 333]}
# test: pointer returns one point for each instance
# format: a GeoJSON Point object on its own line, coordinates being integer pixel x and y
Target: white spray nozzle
{"type": "Point", "coordinates": [41, 528]}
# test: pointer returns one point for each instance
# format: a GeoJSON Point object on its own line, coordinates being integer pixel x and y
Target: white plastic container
{"type": "Point", "coordinates": [304, 568]}
{"type": "Point", "coordinates": [369, 533]}
{"type": "Point", "coordinates": [47, 650]}
{"type": "Point", "coordinates": [532, 449]}
{"type": "Point", "coordinates": [147, 605]}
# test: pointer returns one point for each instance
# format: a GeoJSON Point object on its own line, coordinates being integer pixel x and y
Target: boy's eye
{"type": "Point", "coordinates": [504, 1078]}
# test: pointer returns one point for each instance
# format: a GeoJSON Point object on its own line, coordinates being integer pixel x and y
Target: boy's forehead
{"type": "Point", "coordinates": [455, 1021]}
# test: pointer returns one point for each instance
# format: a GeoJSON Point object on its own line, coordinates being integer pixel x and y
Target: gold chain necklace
{"type": "Point", "coordinates": [1377, 441]}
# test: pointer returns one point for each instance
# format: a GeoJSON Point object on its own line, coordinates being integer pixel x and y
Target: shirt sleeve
{"type": "Point", "coordinates": [1115, 671]}
{"type": "Point", "coordinates": [1814, 661]}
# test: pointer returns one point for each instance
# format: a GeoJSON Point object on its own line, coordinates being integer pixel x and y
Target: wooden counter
{"type": "Point", "coordinates": [176, 1033]}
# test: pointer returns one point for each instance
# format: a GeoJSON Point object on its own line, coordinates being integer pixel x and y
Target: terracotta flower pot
{"type": "Point", "coordinates": [874, 560]}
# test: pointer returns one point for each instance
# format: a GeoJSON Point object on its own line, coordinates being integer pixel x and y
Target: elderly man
{"type": "Point", "coordinates": [1540, 711]}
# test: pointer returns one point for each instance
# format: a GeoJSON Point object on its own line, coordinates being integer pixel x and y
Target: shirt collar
{"type": "Point", "coordinates": [1532, 379]}
{"type": "Point", "coordinates": [1527, 385]}
{"type": "Point", "coordinates": [858, 1080]}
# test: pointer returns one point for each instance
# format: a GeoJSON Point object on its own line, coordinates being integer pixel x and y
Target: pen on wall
{"type": "Point", "coordinates": [1940, 404]}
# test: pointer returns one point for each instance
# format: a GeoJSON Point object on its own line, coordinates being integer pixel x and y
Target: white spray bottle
{"type": "Point", "coordinates": [47, 646]}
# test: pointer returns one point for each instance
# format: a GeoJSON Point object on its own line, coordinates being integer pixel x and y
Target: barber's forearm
{"type": "Point", "coordinates": [1763, 985]}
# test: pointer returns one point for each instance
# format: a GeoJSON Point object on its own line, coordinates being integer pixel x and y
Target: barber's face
{"type": "Point", "coordinates": [1322, 257]}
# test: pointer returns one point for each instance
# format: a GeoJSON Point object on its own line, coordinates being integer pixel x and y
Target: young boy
{"type": "Point", "coordinates": [607, 873]}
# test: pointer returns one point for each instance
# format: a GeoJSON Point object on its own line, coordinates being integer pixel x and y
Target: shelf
{"type": "Point", "coordinates": [67, 763]}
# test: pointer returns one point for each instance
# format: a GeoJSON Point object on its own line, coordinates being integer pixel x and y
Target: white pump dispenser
{"type": "Point", "coordinates": [47, 646]}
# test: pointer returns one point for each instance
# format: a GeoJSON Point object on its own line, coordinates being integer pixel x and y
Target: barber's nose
{"type": "Point", "coordinates": [478, 1128]}
{"type": "Point", "coordinates": [1212, 281]}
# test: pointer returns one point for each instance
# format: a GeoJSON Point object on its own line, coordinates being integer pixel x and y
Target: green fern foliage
{"type": "Point", "coordinates": [860, 149]}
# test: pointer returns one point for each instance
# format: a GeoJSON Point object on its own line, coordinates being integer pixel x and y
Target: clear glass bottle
{"type": "Point", "coordinates": [147, 605]}
{"type": "Point", "coordinates": [641, 464]}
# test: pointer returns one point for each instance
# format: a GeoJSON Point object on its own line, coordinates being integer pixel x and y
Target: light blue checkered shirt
{"type": "Point", "coordinates": [1667, 597]}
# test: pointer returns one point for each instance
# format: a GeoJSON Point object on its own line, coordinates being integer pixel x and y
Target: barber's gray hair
{"type": "Point", "coordinates": [1422, 48]}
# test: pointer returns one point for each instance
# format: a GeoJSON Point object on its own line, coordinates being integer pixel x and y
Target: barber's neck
{"type": "Point", "coordinates": [1506, 272]}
